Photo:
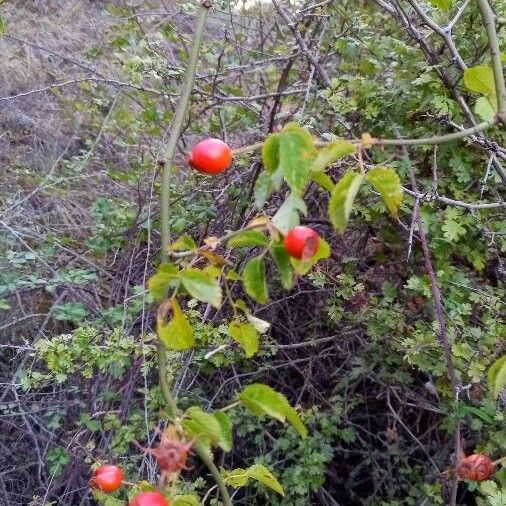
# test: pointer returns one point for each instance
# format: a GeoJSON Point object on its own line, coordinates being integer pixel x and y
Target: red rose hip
{"type": "Point", "coordinates": [301, 242]}
{"type": "Point", "coordinates": [211, 156]}
{"type": "Point", "coordinates": [149, 499]}
{"type": "Point", "coordinates": [107, 478]}
{"type": "Point", "coordinates": [476, 467]}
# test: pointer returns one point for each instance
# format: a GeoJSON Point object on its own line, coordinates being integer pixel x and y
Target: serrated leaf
{"type": "Point", "coordinates": [240, 477]}
{"type": "Point", "coordinates": [185, 500]}
{"type": "Point", "coordinates": [386, 181]}
{"type": "Point", "coordinates": [248, 238]}
{"type": "Point", "coordinates": [263, 475]}
{"type": "Point", "coordinates": [246, 335]}
{"type": "Point", "coordinates": [282, 261]}
{"type": "Point", "coordinates": [484, 109]}
{"type": "Point", "coordinates": [323, 180]}
{"type": "Point", "coordinates": [214, 429]}
{"type": "Point", "coordinates": [201, 285]}
{"type": "Point", "coordinates": [497, 377]}
{"type": "Point", "coordinates": [270, 152]}
{"type": "Point", "coordinates": [177, 334]}
{"type": "Point", "coordinates": [235, 478]}
{"type": "Point", "coordinates": [287, 216]}
{"type": "Point", "coordinates": [302, 267]}
{"type": "Point", "coordinates": [330, 153]}
{"type": "Point", "coordinates": [159, 283]}
{"type": "Point", "coordinates": [184, 243]}
{"type": "Point", "coordinates": [480, 79]}
{"type": "Point", "coordinates": [262, 400]}
{"type": "Point", "coordinates": [444, 5]}
{"type": "Point", "coordinates": [342, 198]}
{"type": "Point", "coordinates": [296, 155]}
{"type": "Point", "coordinates": [254, 280]}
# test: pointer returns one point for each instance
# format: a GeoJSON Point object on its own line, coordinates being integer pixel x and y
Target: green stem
{"type": "Point", "coordinates": [437, 139]}
{"type": "Point", "coordinates": [207, 458]}
{"type": "Point", "coordinates": [175, 133]}
{"type": "Point", "coordinates": [179, 117]}
{"type": "Point", "coordinates": [500, 86]}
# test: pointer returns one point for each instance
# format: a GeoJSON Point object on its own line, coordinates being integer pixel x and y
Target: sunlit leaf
{"type": "Point", "coordinates": [201, 286]}
{"type": "Point", "coordinates": [160, 282]}
{"type": "Point", "coordinates": [261, 326]}
{"type": "Point", "coordinates": [342, 198]}
{"type": "Point", "coordinates": [177, 334]}
{"type": "Point", "coordinates": [262, 400]}
{"type": "Point", "coordinates": [240, 477]}
{"type": "Point", "coordinates": [185, 500]}
{"type": "Point", "coordinates": [270, 152]}
{"type": "Point", "coordinates": [296, 155]}
{"type": "Point", "coordinates": [480, 79]}
{"type": "Point", "coordinates": [214, 429]}
{"type": "Point", "coordinates": [386, 181]}
{"type": "Point", "coordinates": [484, 109]}
{"type": "Point", "coordinates": [302, 267]}
{"type": "Point", "coordinates": [323, 180]}
{"type": "Point", "coordinates": [254, 280]}
{"type": "Point", "coordinates": [331, 152]}
{"type": "Point", "coordinates": [184, 243]}
{"type": "Point", "coordinates": [444, 5]}
{"type": "Point", "coordinates": [246, 335]}
{"type": "Point", "coordinates": [497, 377]}
{"type": "Point", "coordinates": [248, 238]}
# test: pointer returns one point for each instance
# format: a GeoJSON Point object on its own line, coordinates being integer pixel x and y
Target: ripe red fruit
{"type": "Point", "coordinates": [210, 156]}
{"type": "Point", "coordinates": [107, 478]}
{"type": "Point", "coordinates": [301, 242]}
{"type": "Point", "coordinates": [476, 467]}
{"type": "Point", "coordinates": [149, 499]}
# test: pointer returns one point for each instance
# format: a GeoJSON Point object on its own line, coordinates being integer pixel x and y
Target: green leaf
{"type": "Point", "coordinates": [262, 400]}
{"type": "Point", "coordinates": [214, 429]}
{"type": "Point", "coordinates": [497, 377]}
{"type": "Point", "coordinates": [480, 79]}
{"type": "Point", "coordinates": [265, 184]}
{"type": "Point", "coordinates": [386, 181]}
{"type": "Point", "coordinates": [254, 281]}
{"type": "Point", "coordinates": [185, 500]}
{"type": "Point", "coordinates": [106, 499]}
{"type": "Point", "coordinates": [184, 243]}
{"type": "Point", "coordinates": [177, 334]}
{"type": "Point", "coordinates": [263, 475]}
{"type": "Point", "coordinates": [282, 261]}
{"type": "Point", "coordinates": [444, 5]}
{"type": "Point", "coordinates": [3, 25]}
{"type": "Point", "coordinates": [484, 109]}
{"type": "Point", "coordinates": [342, 198]}
{"type": "Point", "coordinates": [323, 180]}
{"type": "Point", "coordinates": [331, 152]}
{"type": "Point", "coordinates": [296, 155]}
{"type": "Point", "coordinates": [159, 283]}
{"type": "Point", "coordinates": [248, 238]}
{"type": "Point", "coordinates": [240, 477]}
{"type": "Point", "coordinates": [246, 335]}
{"type": "Point", "coordinates": [270, 152]}
{"type": "Point", "coordinates": [201, 285]}
{"type": "Point", "coordinates": [287, 215]}
{"type": "Point", "coordinates": [302, 267]}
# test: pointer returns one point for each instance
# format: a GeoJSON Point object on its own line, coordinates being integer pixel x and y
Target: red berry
{"type": "Point", "coordinates": [301, 242]}
{"type": "Point", "coordinates": [210, 156]}
{"type": "Point", "coordinates": [149, 499]}
{"type": "Point", "coordinates": [476, 467]}
{"type": "Point", "coordinates": [107, 478]}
